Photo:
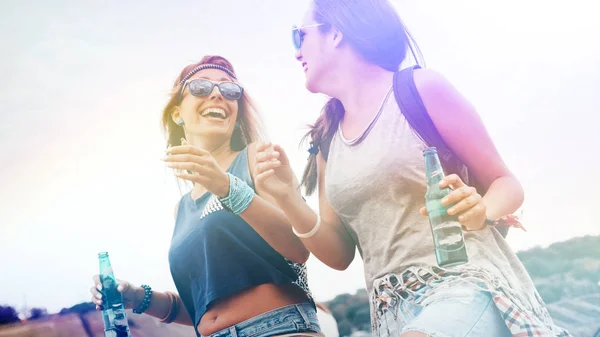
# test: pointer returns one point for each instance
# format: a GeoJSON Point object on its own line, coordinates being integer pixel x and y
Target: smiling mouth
{"type": "Point", "coordinates": [214, 113]}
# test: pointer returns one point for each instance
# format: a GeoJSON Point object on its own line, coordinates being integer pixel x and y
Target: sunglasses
{"type": "Point", "coordinates": [298, 36]}
{"type": "Point", "coordinates": [201, 88]}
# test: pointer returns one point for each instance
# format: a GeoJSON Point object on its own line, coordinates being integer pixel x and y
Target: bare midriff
{"type": "Point", "coordinates": [246, 304]}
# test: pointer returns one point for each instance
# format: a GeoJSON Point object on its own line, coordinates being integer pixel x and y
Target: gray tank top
{"type": "Point", "coordinates": [376, 185]}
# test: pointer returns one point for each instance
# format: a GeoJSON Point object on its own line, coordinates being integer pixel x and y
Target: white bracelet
{"type": "Point", "coordinates": [312, 231]}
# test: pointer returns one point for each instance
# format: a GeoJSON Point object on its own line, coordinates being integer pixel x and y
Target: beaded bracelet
{"type": "Point", "coordinates": [146, 301]}
{"type": "Point", "coordinates": [239, 197]}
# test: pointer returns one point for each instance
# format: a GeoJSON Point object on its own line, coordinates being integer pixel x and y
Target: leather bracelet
{"type": "Point", "coordinates": [170, 307]}
{"type": "Point", "coordinates": [505, 221]}
{"type": "Point", "coordinates": [173, 310]}
{"type": "Point", "coordinates": [145, 302]}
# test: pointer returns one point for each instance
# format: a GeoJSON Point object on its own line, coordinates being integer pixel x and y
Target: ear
{"type": "Point", "coordinates": [337, 37]}
{"type": "Point", "coordinates": [175, 114]}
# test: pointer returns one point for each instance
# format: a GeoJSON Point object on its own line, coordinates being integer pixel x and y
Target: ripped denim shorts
{"type": "Point", "coordinates": [292, 320]}
{"type": "Point", "coordinates": [433, 305]}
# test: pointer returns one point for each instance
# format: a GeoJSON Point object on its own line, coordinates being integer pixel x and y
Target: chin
{"type": "Point", "coordinates": [212, 131]}
{"type": "Point", "coordinates": [311, 85]}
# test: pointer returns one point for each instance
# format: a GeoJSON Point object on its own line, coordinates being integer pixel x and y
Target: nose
{"type": "Point", "coordinates": [215, 94]}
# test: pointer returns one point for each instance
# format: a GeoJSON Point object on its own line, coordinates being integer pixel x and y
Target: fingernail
{"type": "Point", "coordinates": [120, 288]}
{"type": "Point", "coordinates": [461, 218]}
{"type": "Point", "coordinates": [99, 296]}
{"type": "Point", "coordinates": [99, 286]}
{"type": "Point", "coordinates": [444, 200]}
{"type": "Point", "coordinates": [451, 211]}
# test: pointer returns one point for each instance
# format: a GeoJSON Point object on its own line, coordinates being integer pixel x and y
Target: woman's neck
{"type": "Point", "coordinates": [364, 87]}
{"type": "Point", "coordinates": [221, 151]}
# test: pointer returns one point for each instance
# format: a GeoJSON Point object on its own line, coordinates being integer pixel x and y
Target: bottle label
{"type": "Point", "coordinates": [115, 322]}
{"type": "Point", "coordinates": [120, 316]}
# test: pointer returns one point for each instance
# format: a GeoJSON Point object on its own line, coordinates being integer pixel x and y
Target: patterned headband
{"type": "Point", "coordinates": [207, 66]}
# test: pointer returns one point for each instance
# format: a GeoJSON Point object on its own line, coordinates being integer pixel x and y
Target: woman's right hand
{"type": "Point", "coordinates": [272, 170]}
{"type": "Point", "coordinates": [132, 296]}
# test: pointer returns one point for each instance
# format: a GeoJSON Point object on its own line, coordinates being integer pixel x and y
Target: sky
{"type": "Point", "coordinates": [83, 84]}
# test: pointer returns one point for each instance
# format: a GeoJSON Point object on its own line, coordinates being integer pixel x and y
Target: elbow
{"type": "Point", "coordinates": [303, 256]}
{"type": "Point", "coordinates": [340, 267]}
{"type": "Point", "coordinates": [518, 192]}
{"type": "Point", "coordinates": [341, 263]}
{"type": "Point", "coordinates": [300, 256]}
{"type": "Point", "coordinates": [513, 188]}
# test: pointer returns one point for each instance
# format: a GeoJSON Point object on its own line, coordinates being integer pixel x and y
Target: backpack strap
{"type": "Point", "coordinates": [414, 110]}
{"type": "Point", "coordinates": [412, 107]}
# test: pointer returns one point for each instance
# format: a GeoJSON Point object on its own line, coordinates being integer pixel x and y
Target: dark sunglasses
{"type": "Point", "coordinates": [201, 88]}
{"type": "Point", "coordinates": [298, 36]}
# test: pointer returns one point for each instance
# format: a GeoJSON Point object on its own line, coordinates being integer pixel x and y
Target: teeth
{"type": "Point", "coordinates": [217, 111]}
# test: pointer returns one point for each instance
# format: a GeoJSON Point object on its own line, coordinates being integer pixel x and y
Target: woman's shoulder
{"type": "Point", "coordinates": [428, 80]}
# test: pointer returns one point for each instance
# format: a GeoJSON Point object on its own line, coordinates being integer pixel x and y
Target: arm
{"type": "Point", "coordinates": [270, 222]}
{"type": "Point", "coordinates": [200, 167]}
{"type": "Point", "coordinates": [161, 305]}
{"type": "Point", "coordinates": [331, 244]}
{"type": "Point", "coordinates": [463, 131]}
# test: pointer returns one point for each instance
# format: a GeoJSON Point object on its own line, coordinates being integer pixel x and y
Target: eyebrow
{"type": "Point", "coordinates": [222, 79]}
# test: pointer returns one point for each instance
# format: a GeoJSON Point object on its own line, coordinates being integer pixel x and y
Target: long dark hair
{"type": "Point", "coordinates": [374, 30]}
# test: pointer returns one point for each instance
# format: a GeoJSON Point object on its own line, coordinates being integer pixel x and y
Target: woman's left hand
{"type": "Point", "coordinates": [465, 201]}
{"type": "Point", "coordinates": [198, 166]}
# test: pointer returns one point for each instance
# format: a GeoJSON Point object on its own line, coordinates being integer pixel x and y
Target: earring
{"type": "Point", "coordinates": [236, 126]}
{"type": "Point", "coordinates": [180, 122]}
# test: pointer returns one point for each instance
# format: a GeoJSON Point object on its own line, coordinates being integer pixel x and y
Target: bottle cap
{"type": "Point", "coordinates": [429, 150]}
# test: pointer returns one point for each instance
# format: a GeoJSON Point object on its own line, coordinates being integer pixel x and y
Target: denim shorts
{"type": "Point", "coordinates": [449, 311]}
{"type": "Point", "coordinates": [285, 320]}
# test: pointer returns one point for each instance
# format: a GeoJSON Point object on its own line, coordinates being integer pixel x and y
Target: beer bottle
{"type": "Point", "coordinates": [113, 311]}
{"type": "Point", "coordinates": [448, 236]}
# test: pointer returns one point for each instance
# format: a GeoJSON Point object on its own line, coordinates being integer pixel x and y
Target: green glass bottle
{"type": "Point", "coordinates": [450, 249]}
{"type": "Point", "coordinates": [113, 311]}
